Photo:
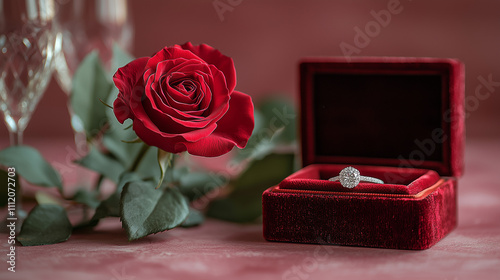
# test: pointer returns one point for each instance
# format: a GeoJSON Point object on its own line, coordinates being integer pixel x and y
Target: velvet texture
{"type": "Point", "coordinates": [370, 113]}
{"type": "Point", "coordinates": [372, 221]}
{"type": "Point", "coordinates": [390, 111]}
{"type": "Point", "coordinates": [397, 180]}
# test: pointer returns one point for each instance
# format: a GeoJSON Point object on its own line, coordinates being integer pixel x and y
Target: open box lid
{"type": "Point", "coordinates": [405, 112]}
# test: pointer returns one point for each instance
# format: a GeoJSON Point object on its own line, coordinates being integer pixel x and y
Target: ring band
{"type": "Point", "coordinates": [350, 177]}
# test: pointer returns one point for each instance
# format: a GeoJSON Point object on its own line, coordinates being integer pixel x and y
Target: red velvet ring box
{"type": "Point", "coordinates": [397, 119]}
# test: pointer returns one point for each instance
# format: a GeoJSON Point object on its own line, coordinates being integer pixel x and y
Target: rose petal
{"type": "Point", "coordinates": [194, 98]}
{"type": "Point", "coordinates": [167, 122]}
{"type": "Point", "coordinates": [237, 124]}
{"type": "Point", "coordinates": [172, 93]}
{"type": "Point", "coordinates": [153, 138]}
{"type": "Point", "coordinates": [218, 103]}
{"type": "Point", "coordinates": [165, 127]}
{"type": "Point", "coordinates": [185, 101]}
{"type": "Point", "coordinates": [211, 146]}
{"type": "Point", "coordinates": [167, 141]}
{"type": "Point", "coordinates": [122, 110]}
{"type": "Point", "coordinates": [168, 66]}
{"type": "Point", "coordinates": [125, 79]}
{"type": "Point", "coordinates": [215, 57]}
{"type": "Point", "coordinates": [220, 95]}
{"type": "Point", "coordinates": [158, 104]}
{"type": "Point", "coordinates": [127, 76]}
{"type": "Point", "coordinates": [172, 107]}
{"type": "Point", "coordinates": [169, 54]}
{"type": "Point", "coordinates": [235, 128]}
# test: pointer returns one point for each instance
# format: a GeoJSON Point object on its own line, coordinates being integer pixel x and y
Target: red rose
{"type": "Point", "coordinates": [183, 99]}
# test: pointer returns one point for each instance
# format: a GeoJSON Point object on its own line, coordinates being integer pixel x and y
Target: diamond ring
{"type": "Point", "coordinates": [350, 177]}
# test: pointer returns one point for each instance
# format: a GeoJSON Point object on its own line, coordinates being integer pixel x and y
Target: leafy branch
{"type": "Point", "coordinates": [153, 193]}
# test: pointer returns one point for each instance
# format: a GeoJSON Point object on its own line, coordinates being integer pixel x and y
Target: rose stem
{"type": "Point", "coordinates": [139, 157]}
{"type": "Point", "coordinates": [98, 182]}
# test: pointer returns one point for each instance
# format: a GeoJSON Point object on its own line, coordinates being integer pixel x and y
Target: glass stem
{"type": "Point", "coordinates": [16, 138]}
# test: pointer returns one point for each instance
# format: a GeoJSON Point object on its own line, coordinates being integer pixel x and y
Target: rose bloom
{"type": "Point", "coordinates": [183, 99]}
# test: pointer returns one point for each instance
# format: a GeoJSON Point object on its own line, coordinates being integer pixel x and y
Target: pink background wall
{"type": "Point", "coordinates": [267, 38]}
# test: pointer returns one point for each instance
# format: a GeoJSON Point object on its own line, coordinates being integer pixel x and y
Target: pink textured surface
{"type": "Point", "coordinates": [220, 250]}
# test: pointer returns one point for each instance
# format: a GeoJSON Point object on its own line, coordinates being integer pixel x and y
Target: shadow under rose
{"type": "Point", "coordinates": [109, 231]}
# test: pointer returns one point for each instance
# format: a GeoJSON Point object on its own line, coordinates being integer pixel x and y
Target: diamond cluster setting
{"type": "Point", "coordinates": [349, 177]}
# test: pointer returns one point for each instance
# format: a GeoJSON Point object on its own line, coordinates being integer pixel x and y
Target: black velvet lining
{"type": "Point", "coordinates": [377, 115]}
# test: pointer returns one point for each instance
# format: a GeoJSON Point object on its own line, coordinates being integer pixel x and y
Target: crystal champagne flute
{"type": "Point", "coordinates": [28, 44]}
{"type": "Point", "coordinates": [89, 25]}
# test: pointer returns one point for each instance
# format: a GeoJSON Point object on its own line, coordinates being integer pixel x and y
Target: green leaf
{"type": "Point", "coordinates": [117, 133]}
{"type": "Point", "coordinates": [244, 203]}
{"type": "Point", "coordinates": [195, 185]}
{"type": "Point", "coordinates": [110, 207]}
{"type": "Point", "coordinates": [136, 140]}
{"type": "Point", "coordinates": [89, 198]}
{"type": "Point", "coordinates": [275, 126]}
{"type": "Point", "coordinates": [126, 178]}
{"type": "Point", "coordinates": [235, 209]}
{"type": "Point", "coordinates": [31, 165]}
{"type": "Point", "coordinates": [259, 142]}
{"type": "Point", "coordinates": [149, 169]}
{"type": "Point", "coordinates": [146, 210]}
{"type": "Point", "coordinates": [164, 161]}
{"type": "Point", "coordinates": [194, 218]}
{"type": "Point", "coordinates": [46, 198]}
{"type": "Point", "coordinates": [45, 224]}
{"type": "Point", "coordinates": [90, 83]}
{"type": "Point", "coordinates": [174, 175]}
{"type": "Point", "coordinates": [120, 58]}
{"type": "Point", "coordinates": [265, 173]}
{"type": "Point", "coordinates": [102, 164]}
{"type": "Point", "coordinates": [278, 113]}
